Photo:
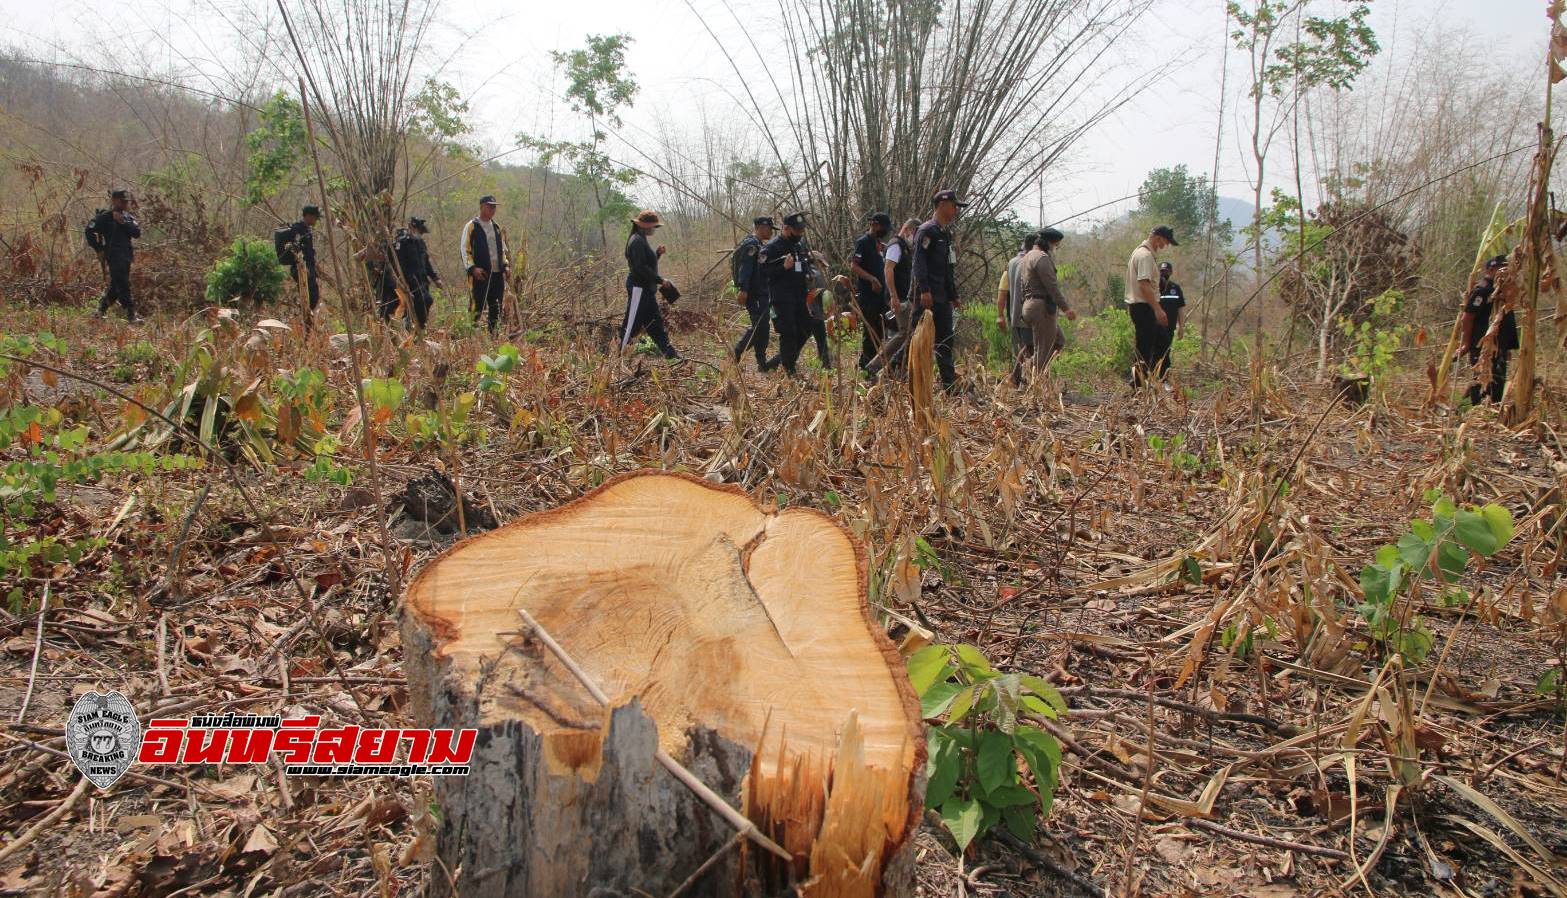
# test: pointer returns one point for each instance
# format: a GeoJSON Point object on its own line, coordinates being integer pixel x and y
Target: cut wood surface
{"type": "Point", "coordinates": [742, 635]}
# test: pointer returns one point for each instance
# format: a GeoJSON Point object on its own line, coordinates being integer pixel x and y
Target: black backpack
{"type": "Point", "coordinates": [283, 243]}
{"type": "Point", "coordinates": [95, 238]}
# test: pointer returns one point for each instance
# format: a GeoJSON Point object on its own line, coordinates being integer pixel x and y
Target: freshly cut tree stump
{"type": "Point", "coordinates": [737, 640]}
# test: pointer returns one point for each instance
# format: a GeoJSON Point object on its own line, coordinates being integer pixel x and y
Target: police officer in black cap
{"type": "Point", "coordinates": [936, 279]}
{"type": "Point", "coordinates": [109, 235]}
{"type": "Point", "coordinates": [751, 289]}
{"type": "Point", "coordinates": [413, 257]}
{"type": "Point", "coordinates": [787, 269]}
{"type": "Point", "coordinates": [295, 243]}
{"type": "Point", "coordinates": [867, 266]}
{"type": "Point", "coordinates": [1476, 323]}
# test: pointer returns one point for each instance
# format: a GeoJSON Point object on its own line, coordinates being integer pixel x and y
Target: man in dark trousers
{"type": "Point", "coordinates": [413, 257]}
{"type": "Point", "coordinates": [485, 258]}
{"type": "Point", "coordinates": [751, 290]}
{"type": "Point", "coordinates": [867, 265]}
{"type": "Point", "coordinates": [1142, 301]}
{"type": "Point", "coordinates": [786, 266]}
{"type": "Point", "coordinates": [897, 278]}
{"type": "Point", "coordinates": [1478, 309]}
{"type": "Point", "coordinates": [644, 285]}
{"type": "Point", "coordinates": [1172, 299]}
{"type": "Point", "coordinates": [109, 235]}
{"type": "Point", "coordinates": [936, 279]}
{"type": "Point", "coordinates": [295, 244]}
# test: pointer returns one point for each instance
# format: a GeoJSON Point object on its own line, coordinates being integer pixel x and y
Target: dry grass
{"type": "Point", "coordinates": [1058, 537]}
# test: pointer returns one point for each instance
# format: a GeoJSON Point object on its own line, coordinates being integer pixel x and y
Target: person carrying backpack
{"type": "Point", "coordinates": [109, 235]}
{"type": "Point", "coordinates": [295, 244]}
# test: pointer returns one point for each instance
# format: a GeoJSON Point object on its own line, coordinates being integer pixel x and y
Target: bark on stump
{"type": "Point", "coordinates": [738, 641]}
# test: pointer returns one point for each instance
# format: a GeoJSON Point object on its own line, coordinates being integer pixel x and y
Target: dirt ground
{"type": "Point", "coordinates": [1175, 596]}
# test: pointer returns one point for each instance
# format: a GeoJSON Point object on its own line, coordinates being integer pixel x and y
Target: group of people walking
{"type": "Point", "coordinates": [894, 280]}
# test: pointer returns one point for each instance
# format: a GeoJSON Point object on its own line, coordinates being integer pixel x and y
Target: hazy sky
{"type": "Point", "coordinates": [504, 67]}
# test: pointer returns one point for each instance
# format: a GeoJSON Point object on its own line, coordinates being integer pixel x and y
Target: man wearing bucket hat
{"type": "Point", "coordinates": [487, 262]}
{"type": "Point", "coordinates": [643, 285]}
{"type": "Point", "coordinates": [413, 258]}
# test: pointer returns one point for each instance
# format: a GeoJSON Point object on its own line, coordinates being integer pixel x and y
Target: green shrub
{"type": "Point", "coordinates": [250, 271]}
{"type": "Point", "coordinates": [994, 340]}
{"type": "Point", "coordinates": [973, 777]}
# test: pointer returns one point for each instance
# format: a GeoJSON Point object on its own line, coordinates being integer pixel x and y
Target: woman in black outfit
{"type": "Point", "coordinates": [642, 286]}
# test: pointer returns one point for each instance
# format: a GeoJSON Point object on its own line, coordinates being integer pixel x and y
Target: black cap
{"type": "Point", "coordinates": [488, 200]}
{"type": "Point", "coordinates": [1167, 233]}
{"type": "Point", "coordinates": [310, 210]}
{"type": "Point", "coordinates": [881, 218]}
{"type": "Point", "coordinates": [1166, 266]}
{"type": "Point", "coordinates": [1050, 235]}
{"type": "Point", "coordinates": [952, 195]}
{"type": "Point", "coordinates": [795, 220]}
{"type": "Point", "coordinates": [1495, 262]}
{"type": "Point", "coordinates": [417, 224]}
{"type": "Point", "coordinates": [760, 220]}
{"type": "Point", "coordinates": [119, 193]}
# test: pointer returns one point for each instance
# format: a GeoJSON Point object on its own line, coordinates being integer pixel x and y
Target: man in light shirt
{"type": "Point", "coordinates": [1142, 300]}
{"type": "Point", "coordinates": [484, 257]}
{"type": "Point", "coordinates": [1009, 309]}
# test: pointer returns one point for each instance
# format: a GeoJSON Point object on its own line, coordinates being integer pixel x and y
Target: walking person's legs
{"type": "Point", "coordinates": [1145, 329]}
{"type": "Point", "coordinates": [941, 314]}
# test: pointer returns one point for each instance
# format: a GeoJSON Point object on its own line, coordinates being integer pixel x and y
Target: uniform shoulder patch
{"type": "Point", "coordinates": [925, 243]}
{"type": "Point", "coordinates": [755, 249]}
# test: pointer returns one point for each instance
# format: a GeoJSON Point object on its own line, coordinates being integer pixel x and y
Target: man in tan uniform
{"type": "Point", "coordinates": [1043, 300]}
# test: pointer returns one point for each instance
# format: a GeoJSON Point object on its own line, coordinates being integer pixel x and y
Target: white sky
{"type": "Point", "coordinates": [505, 67]}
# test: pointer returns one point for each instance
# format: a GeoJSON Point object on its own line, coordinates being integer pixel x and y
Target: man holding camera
{"type": "Point", "coordinates": [109, 235]}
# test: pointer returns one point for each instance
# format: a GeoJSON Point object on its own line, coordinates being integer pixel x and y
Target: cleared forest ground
{"type": "Point", "coordinates": [1170, 588]}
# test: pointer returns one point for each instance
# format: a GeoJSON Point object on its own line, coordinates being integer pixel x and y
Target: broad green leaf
{"type": "Point", "coordinates": [926, 666]}
{"type": "Point", "coordinates": [1475, 533]}
{"type": "Point", "coordinates": [990, 815]}
{"type": "Point", "coordinates": [1452, 560]}
{"type": "Point", "coordinates": [1443, 507]}
{"type": "Point", "coordinates": [1380, 582]}
{"type": "Point", "coordinates": [1549, 681]}
{"type": "Point", "coordinates": [1009, 796]}
{"type": "Point", "coordinates": [941, 769]}
{"type": "Point", "coordinates": [997, 765]}
{"type": "Point", "coordinates": [1414, 551]}
{"type": "Point", "coordinates": [1423, 530]}
{"type": "Point", "coordinates": [962, 817]}
{"type": "Point", "coordinates": [962, 703]}
{"type": "Point", "coordinates": [1042, 688]}
{"type": "Point", "coordinates": [1191, 570]}
{"type": "Point", "coordinates": [1387, 556]}
{"type": "Point", "coordinates": [938, 699]}
{"type": "Point", "coordinates": [1020, 822]}
{"type": "Point", "coordinates": [974, 661]}
{"type": "Point", "coordinates": [1008, 693]}
{"type": "Point", "coordinates": [1500, 521]}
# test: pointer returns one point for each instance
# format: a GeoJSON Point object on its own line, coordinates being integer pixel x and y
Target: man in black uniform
{"type": "Point", "coordinates": [296, 243]}
{"type": "Point", "coordinates": [413, 257]}
{"type": "Point", "coordinates": [936, 279]}
{"type": "Point", "coordinates": [897, 278]}
{"type": "Point", "coordinates": [786, 268]}
{"type": "Point", "coordinates": [867, 265]}
{"type": "Point", "coordinates": [1477, 322]}
{"type": "Point", "coordinates": [751, 290]}
{"type": "Point", "coordinates": [1172, 299]}
{"type": "Point", "coordinates": [109, 235]}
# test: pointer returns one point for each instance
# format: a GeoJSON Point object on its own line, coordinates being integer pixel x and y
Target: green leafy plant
{"type": "Point", "coordinates": [1374, 342]}
{"type": "Point", "coordinates": [43, 453]}
{"type": "Point", "coordinates": [1171, 451]}
{"type": "Point", "coordinates": [249, 272]}
{"type": "Point", "coordinates": [976, 738]}
{"type": "Point", "coordinates": [1434, 552]}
